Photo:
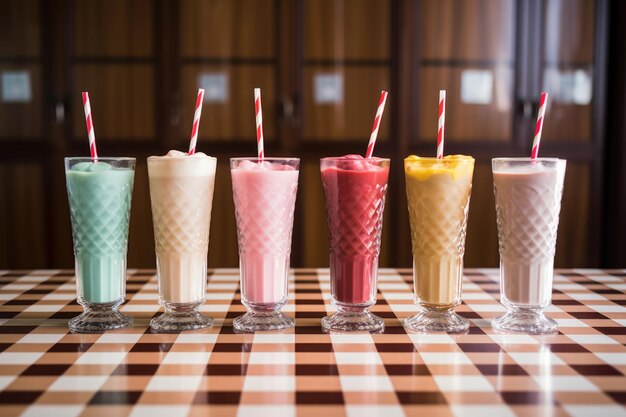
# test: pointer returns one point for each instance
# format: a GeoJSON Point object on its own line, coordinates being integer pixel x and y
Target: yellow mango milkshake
{"type": "Point", "coordinates": [438, 193]}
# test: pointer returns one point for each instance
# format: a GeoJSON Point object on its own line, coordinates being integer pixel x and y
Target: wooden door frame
{"type": "Point", "coordinates": [614, 227]}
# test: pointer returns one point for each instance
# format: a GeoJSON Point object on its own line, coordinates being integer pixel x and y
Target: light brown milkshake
{"type": "Point", "coordinates": [438, 193]}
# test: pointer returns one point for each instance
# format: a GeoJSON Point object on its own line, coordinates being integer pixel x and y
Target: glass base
{"type": "Point", "coordinates": [345, 320]}
{"type": "Point", "coordinates": [526, 320]}
{"type": "Point", "coordinates": [100, 317]}
{"type": "Point", "coordinates": [262, 321]}
{"type": "Point", "coordinates": [429, 320]}
{"type": "Point", "coordinates": [180, 317]}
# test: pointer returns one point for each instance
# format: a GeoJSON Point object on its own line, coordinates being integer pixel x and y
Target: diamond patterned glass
{"type": "Point", "coordinates": [355, 200]}
{"type": "Point", "coordinates": [438, 194]}
{"type": "Point", "coordinates": [528, 201]}
{"type": "Point", "coordinates": [181, 195]}
{"type": "Point", "coordinates": [264, 193]}
{"type": "Point", "coordinates": [99, 196]}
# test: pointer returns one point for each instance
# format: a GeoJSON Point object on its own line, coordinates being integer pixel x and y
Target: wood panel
{"type": "Point", "coordinates": [352, 118]}
{"type": "Point", "coordinates": [23, 120]}
{"type": "Point", "coordinates": [22, 216]}
{"type": "Point", "coordinates": [314, 228]}
{"type": "Point", "coordinates": [573, 235]}
{"type": "Point", "coordinates": [228, 28]}
{"type": "Point", "coordinates": [566, 122]}
{"type": "Point", "coordinates": [568, 44]}
{"type": "Point", "coordinates": [404, 253]}
{"type": "Point", "coordinates": [464, 122]}
{"type": "Point", "coordinates": [481, 243]}
{"type": "Point", "coordinates": [347, 29]}
{"type": "Point", "coordinates": [234, 118]}
{"type": "Point", "coordinates": [466, 30]}
{"type": "Point", "coordinates": [223, 250]}
{"type": "Point", "coordinates": [19, 28]}
{"type": "Point", "coordinates": [113, 27]}
{"type": "Point", "coordinates": [141, 236]}
{"type": "Point", "coordinates": [122, 101]}
{"type": "Point", "coordinates": [569, 30]}
{"type": "Point", "coordinates": [59, 211]}
{"type": "Point", "coordinates": [350, 37]}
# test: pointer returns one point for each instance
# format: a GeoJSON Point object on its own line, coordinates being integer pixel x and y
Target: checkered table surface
{"type": "Point", "coordinates": [44, 371]}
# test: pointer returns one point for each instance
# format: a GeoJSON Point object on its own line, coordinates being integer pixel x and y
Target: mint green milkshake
{"type": "Point", "coordinates": [99, 195]}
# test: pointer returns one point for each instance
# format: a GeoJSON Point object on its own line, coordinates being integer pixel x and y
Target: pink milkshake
{"type": "Point", "coordinates": [355, 190]}
{"type": "Point", "coordinates": [528, 202]}
{"type": "Point", "coordinates": [265, 195]}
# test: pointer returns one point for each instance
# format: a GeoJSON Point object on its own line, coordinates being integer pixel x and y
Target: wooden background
{"type": "Point", "coordinates": [141, 61]}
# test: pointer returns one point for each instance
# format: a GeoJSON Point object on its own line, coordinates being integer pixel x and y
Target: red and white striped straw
{"type": "Point", "coordinates": [376, 126]}
{"type": "Point", "coordinates": [441, 123]}
{"type": "Point", "coordinates": [258, 111]}
{"type": "Point", "coordinates": [90, 129]}
{"type": "Point", "coordinates": [196, 122]}
{"type": "Point", "coordinates": [543, 101]}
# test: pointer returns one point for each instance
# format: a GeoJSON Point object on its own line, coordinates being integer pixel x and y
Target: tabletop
{"type": "Point", "coordinates": [47, 371]}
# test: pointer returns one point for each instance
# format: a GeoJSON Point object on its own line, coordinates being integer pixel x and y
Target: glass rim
{"type": "Point", "coordinates": [270, 159]}
{"type": "Point", "coordinates": [343, 158]}
{"type": "Point", "coordinates": [175, 158]}
{"type": "Point", "coordinates": [526, 159]}
{"type": "Point", "coordinates": [101, 158]}
{"type": "Point", "coordinates": [435, 159]}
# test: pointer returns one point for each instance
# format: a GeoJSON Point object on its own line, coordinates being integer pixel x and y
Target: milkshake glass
{"type": "Point", "coordinates": [355, 189]}
{"type": "Point", "coordinates": [528, 201]}
{"type": "Point", "coordinates": [438, 193]}
{"type": "Point", "coordinates": [264, 193]}
{"type": "Point", "coordinates": [181, 193]}
{"type": "Point", "coordinates": [99, 195]}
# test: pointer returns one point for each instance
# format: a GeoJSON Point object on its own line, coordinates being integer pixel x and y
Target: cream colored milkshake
{"type": "Point", "coordinates": [438, 194]}
{"type": "Point", "coordinates": [181, 192]}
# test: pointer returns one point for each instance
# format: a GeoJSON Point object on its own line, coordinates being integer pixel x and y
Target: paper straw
{"type": "Point", "coordinates": [258, 111]}
{"type": "Point", "coordinates": [90, 129]}
{"type": "Point", "coordinates": [441, 123]}
{"type": "Point", "coordinates": [196, 122]}
{"type": "Point", "coordinates": [376, 126]}
{"type": "Point", "coordinates": [543, 101]}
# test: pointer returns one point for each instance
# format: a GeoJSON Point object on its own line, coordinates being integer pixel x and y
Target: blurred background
{"type": "Point", "coordinates": [321, 65]}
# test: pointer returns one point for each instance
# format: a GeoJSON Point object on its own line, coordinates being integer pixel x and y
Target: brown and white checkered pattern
{"type": "Point", "coordinates": [45, 371]}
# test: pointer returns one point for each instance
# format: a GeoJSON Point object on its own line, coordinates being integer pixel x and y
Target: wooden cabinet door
{"type": "Point", "coordinates": [494, 58]}
{"type": "Point", "coordinates": [321, 65]}
{"type": "Point", "coordinates": [24, 142]}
